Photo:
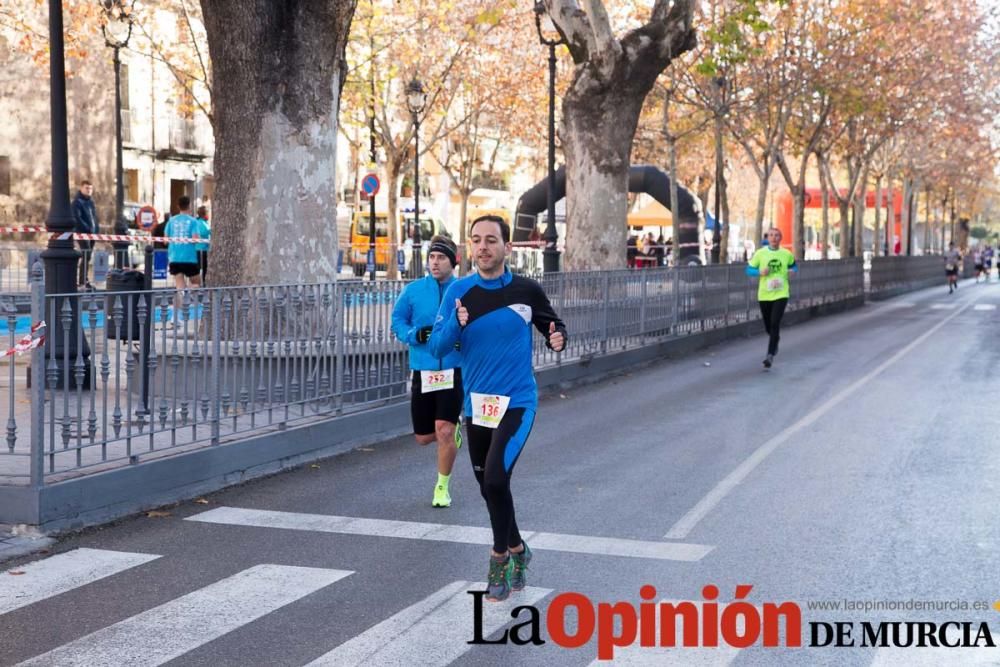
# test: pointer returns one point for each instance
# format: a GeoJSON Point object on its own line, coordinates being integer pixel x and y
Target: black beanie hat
{"type": "Point", "coordinates": [444, 250]}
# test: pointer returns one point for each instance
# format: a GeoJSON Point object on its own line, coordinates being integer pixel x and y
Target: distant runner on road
{"type": "Point", "coordinates": [772, 264]}
{"type": "Point", "coordinates": [952, 260]}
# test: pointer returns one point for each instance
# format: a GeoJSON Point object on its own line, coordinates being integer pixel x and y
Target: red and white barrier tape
{"type": "Point", "coordinates": [21, 230]}
{"type": "Point", "coordinates": [65, 236]}
{"type": "Point", "coordinates": [27, 343]}
{"type": "Point", "coordinates": [122, 237]}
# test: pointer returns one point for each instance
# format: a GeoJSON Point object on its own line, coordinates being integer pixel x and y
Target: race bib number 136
{"type": "Point", "coordinates": [488, 409]}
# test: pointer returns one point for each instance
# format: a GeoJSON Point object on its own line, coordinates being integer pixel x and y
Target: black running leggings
{"type": "Point", "coordinates": [494, 453]}
{"type": "Point", "coordinates": [772, 312]}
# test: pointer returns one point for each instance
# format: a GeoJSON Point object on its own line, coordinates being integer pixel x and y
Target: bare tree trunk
{"type": "Point", "coordinates": [392, 195]}
{"type": "Point", "coordinates": [890, 222]}
{"type": "Point", "coordinates": [463, 232]}
{"type": "Point", "coordinates": [877, 249]}
{"type": "Point", "coordinates": [717, 250]}
{"type": "Point", "coordinates": [758, 224]}
{"type": "Point", "coordinates": [861, 192]}
{"type": "Point", "coordinates": [601, 110]}
{"type": "Point", "coordinates": [597, 140]}
{"type": "Point", "coordinates": [825, 238]}
{"type": "Point", "coordinates": [278, 70]}
{"type": "Point", "coordinates": [799, 228]}
{"type": "Point", "coordinates": [845, 229]}
{"type": "Point", "coordinates": [675, 228]}
{"type": "Point", "coordinates": [927, 221]}
{"type": "Point", "coordinates": [904, 232]}
{"type": "Point", "coordinates": [724, 216]}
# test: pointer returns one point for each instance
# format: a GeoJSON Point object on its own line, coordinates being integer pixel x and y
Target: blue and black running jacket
{"type": "Point", "coordinates": [496, 341]}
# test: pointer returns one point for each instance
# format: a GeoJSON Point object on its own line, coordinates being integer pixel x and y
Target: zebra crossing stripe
{"type": "Point", "coordinates": [163, 633]}
{"type": "Point", "coordinates": [601, 546]}
{"type": "Point", "coordinates": [432, 632]}
{"type": "Point", "coordinates": [61, 573]}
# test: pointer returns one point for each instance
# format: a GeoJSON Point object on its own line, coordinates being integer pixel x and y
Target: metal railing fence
{"type": "Point", "coordinates": [899, 272]}
{"type": "Point", "coordinates": [145, 374]}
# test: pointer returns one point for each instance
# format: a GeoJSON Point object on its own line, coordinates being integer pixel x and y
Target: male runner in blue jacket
{"type": "Point", "coordinates": [490, 313]}
{"type": "Point", "coordinates": [436, 393]}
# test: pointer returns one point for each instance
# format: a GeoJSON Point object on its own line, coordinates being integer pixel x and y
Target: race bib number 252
{"type": "Point", "coordinates": [437, 380]}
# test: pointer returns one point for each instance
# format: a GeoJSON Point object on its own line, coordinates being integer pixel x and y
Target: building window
{"type": "Point", "coordinates": [125, 97]}
{"type": "Point", "coordinates": [4, 175]}
{"type": "Point", "coordinates": [131, 184]}
{"type": "Point", "coordinates": [126, 107]}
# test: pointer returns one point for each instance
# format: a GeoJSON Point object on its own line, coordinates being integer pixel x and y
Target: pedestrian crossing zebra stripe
{"type": "Point", "coordinates": [170, 630]}
{"type": "Point", "coordinates": [594, 545]}
{"type": "Point", "coordinates": [61, 573]}
{"type": "Point", "coordinates": [437, 629]}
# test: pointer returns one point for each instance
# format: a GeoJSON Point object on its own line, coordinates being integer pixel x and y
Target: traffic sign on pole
{"type": "Point", "coordinates": [145, 218]}
{"type": "Point", "coordinates": [371, 184]}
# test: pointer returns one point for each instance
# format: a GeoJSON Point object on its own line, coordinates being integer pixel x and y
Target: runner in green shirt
{"type": "Point", "coordinates": [772, 265]}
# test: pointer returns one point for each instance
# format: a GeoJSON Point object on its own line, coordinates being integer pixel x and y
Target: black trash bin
{"type": "Point", "coordinates": [132, 283]}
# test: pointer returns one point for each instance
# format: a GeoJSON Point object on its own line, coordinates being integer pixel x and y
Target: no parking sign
{"type": "Point", "coordinates": [370, 184]}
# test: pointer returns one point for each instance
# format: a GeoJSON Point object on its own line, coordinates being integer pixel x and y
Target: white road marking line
{"type": "Point", "coordinates": [436, 629]}
{"type": "Point", "coordinates": [414, 530]}
{"type": "Point", "coordinates": [984, 306]}
{"type": "Point", "coordinates": [944, 306]}
{"type": "Point", "coordinates": [686, 524]}
{"type": "Point", "coordinates": [63, 572]}
{"type": "Point", "coordinates": [172, 629]}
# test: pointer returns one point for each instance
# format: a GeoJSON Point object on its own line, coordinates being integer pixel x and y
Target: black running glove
{"type": "Point", "coordinates": [424, 334]}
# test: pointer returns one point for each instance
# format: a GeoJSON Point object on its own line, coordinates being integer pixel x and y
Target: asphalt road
{"type": "Point", "coordinates": [864, 466]}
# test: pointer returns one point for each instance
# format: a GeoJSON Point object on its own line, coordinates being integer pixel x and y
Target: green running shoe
{"type": "Point", "coordinates": [498, 580]}
{"type": "Point", "coordinates": [441, 496]}
{"type": "Point", "coordinates": [520, 566]}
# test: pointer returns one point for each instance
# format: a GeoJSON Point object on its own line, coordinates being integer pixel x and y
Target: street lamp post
{"type": "Point", "coordinates": [116, 25]}
{"type": "Point", "coordinates": [550, 258]}
{"type": "Point", "coordinates": [416, 100]}
{"type": "Point", "coordinates": [374, 162]}
{"type": "Point", "coordinates": [716, 255]}
{"type": "Point", "coordinates": [60, 257]}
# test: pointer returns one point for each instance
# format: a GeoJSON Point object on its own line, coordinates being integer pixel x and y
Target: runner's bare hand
{"type": "Point", "coordinates": [556, 339]}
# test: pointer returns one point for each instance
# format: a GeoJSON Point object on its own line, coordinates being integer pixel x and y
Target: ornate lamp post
{"type": "Point", "coordinates": [416, 100]}
{"type": "Point", "coordinates": [60, 257]}
{"type": "Point", "coordinates": [717, 249]}
{"type": "Point", "coordinates": [116, 25]}
{"type": "Point", "coordinates": [551, 38]}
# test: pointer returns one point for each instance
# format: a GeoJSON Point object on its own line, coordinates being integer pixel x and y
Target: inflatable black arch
{"type": "Point", "coordinates": [641, 178]}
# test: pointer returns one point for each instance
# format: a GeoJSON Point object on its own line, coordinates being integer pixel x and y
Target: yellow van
{"type": "Point", "coordinates": [360, 240]}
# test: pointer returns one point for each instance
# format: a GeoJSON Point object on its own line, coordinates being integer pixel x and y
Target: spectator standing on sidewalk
{"type": "Point", "coordinates": [85, 222]}
{"type": "Point", "coordinates": [202, 248]}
